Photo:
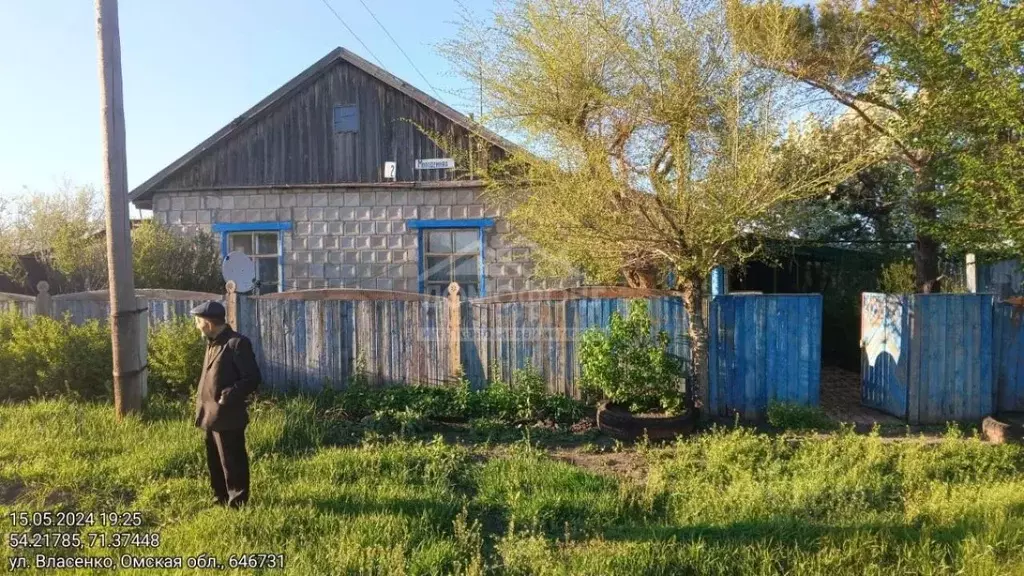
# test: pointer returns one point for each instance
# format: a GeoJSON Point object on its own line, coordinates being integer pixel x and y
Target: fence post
{"type": "Point", "coordinates": [43, 304]}
{"type": "Point", "coordinates": [231, 302]}
{"type": "Point", "coordinates": [718, 281]}
{"type": "Point", "coordinates": [454, 330]}
{"type": "Point", "coordinates": [972, 274]}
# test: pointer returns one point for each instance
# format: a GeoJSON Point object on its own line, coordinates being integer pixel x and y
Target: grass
{"type": "Point", "coordinates": [338, 498]}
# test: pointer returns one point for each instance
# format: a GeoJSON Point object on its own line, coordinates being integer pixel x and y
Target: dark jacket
{"type": "Point", "coordinates": [229, 372]}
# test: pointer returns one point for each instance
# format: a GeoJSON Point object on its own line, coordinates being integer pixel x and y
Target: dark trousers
{"type": "Point", "coordinates": [229, 466]}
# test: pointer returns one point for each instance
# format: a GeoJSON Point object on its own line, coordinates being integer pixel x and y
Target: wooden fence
{"type": "Point", "coordinates": [763, 348]}
{"type": "Point", "coordinates": [928, 358]}
{"type": "Point", "coordinates": [314, 338]}
{"type": "Point", "coordinates": [80, 307]}
{"type": "Point", "coordinates": [501, 334]}
{"type": "Point", "coordinates": [24, 305]}
{"type": "Point", "coordinates": [1008, 320]}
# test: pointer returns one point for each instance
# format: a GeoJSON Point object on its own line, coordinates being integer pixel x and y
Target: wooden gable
{"type": "Point", "coordinates": [337, 122]}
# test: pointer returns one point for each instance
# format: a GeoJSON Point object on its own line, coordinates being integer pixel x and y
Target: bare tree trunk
{"type": "Point", "coordinates": [926, 252]}
{"type": "Point", "coordinates": [693, 301]}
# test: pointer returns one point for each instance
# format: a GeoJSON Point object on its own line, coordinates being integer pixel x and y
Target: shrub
{"type": "Point", "coordinates": [43, 357]}
{"type": "Point", "coordinates": [898, 278]}
{"type": "Point", "coordinates": [176, 352]}
{"type": "Point", "coordinates": [788, 416]}
{"type": "Point", "coordinates": [629, 366]}
{"type": "Point", "coordinates": [520, 399]}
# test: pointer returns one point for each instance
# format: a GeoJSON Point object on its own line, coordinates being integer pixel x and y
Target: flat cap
{"type": "Point", "coordinates": [209, 309]}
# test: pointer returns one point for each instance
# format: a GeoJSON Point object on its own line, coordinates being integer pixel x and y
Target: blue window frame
{"type": "Point", "coordinates": [261, 241]}
{"type": "Point", "coordinates": [346, 118]}
{"type": "Point", "coordinates": [452, 251]}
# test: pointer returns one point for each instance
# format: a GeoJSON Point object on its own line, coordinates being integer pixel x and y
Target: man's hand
{"type": "Point", "coordinates": [225, 395]}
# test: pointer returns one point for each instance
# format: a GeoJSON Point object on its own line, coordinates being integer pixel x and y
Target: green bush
{"type": "Point", "coordinates": [788, 416]}
{"type": "Point", "coordinates": [43, 357]}
{"type": "Point", "coordinates": [629, 366]}
{"type": "Point", "coordinates": [176, 352]}
{"type": "Point", "coordinates": [898, 278]}
{"type": "Point", "coordinates": [522, 399]}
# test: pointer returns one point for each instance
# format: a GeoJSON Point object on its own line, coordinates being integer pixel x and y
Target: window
{"type": "Point", "coordinates": [346, 118]}
{"type": "Point", "coordinates": [452, 251]}
{"type": "Point", "coordinates": [452, 255]}
{"type": "Point", "coordinates": [260, 241]}
{"type": "Point", "coordinates": [262, 248]}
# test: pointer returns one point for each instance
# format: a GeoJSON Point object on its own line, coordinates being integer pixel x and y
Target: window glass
{"type": "Point", "coordinates": [467, 241]}
{"type": "Point", "coordinates": [241, 242]}
{"type": "Point", "coordinates": [439, 241]}
{"type": "Point", "coordinates": [266, 243]}
{"type": "Point", "coordinates": [266, 270]}
{"type": "Point", "coordinates": [438, 269]}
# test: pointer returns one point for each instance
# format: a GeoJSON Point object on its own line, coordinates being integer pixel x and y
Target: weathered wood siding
{"type": "Point", "coordinates": [941, 349]}
{"type": "Point", "coordinates": [544, 329]}
{"type": "Point", "coordinates": [310, 343]}
{"type": "Point", "coordinates": [763, 348]}
{"type": "Point", "coordinates": [163, 305]}
{"type": "Point", "coordinates": [1009, 349]}
{"type": "Point", "coordinates": [294, 142]}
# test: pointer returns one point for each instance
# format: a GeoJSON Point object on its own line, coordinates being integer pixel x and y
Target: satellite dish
{"type": "Point", "coordinates": [239, 268]}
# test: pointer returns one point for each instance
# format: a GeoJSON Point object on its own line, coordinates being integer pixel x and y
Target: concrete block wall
{"type": "Point", "coordinates": [357, 237]}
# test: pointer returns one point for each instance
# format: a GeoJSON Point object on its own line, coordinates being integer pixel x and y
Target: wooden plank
{"type": "Point", "coordinates": [933, 322]}
{"type": "Point", "coordinates": [760, 336]}
{"type": "Point", "coordinates": [772, 349]}
{"type": "Point", "coordinates": [916, 368]}
{"type": "Point", "coordinates": [962, 389]}
{"type": "Point", "coordinates": [956, 389]}
{"type": "Point", "coordinates": [984, 374]}
{"type": "Point", "coordinates": [746, 332]}
{"type": "Point", "coordinates": [815, 334]}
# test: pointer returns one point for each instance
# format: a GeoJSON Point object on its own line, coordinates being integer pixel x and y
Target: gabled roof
{"type": "Point", "coordinates": [264, 106]}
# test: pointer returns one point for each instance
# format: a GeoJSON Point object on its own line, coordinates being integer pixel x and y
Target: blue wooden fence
{"type": "Point", "coordinates": [501, 334]}
{"type": "Point", "coordinates": [928, 358]}
{"type": "Point", "coordinates": [314, 338]}
{"type": "Point", "coordinates": [1008, 320]}
{"type": "Point", "coordinates": [763, 348]}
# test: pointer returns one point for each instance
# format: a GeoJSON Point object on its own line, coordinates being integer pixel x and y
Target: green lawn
{"type": "Point", "coordinates": [336, 500]}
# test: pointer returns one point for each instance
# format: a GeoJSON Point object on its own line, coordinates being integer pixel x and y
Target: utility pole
{"type": "Point", "coordinates": [124, 325]}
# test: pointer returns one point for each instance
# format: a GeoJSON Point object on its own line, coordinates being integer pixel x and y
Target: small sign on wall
{"type": "Point", "coordinates": [389, 170]}
{"type": "Point", "coordinates": [435, 163]}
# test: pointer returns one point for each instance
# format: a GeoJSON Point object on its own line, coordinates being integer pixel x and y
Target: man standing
{"type": "Point", "coordinates": [230, 375]}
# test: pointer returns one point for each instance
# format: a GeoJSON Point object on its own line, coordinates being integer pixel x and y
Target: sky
{"type": "Point", "coordinates": [189, 67]}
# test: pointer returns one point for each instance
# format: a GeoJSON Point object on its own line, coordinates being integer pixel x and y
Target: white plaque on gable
{"type": "Point", "coordinates": [435, 163]}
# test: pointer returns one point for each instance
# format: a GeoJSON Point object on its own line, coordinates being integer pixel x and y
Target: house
{"type": "Point", "coordinates": [301, 183]}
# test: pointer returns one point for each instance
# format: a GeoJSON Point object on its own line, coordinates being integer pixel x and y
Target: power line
{"type": "Point", "coordinates": [352, 32]}
{"type": "Point", "coordinates": [395, 42]}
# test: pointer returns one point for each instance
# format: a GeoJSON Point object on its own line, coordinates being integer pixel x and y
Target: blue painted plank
{"type": "Point", "coordinates": [715, 373]}
{"type": "Point", "coordinates": [747, 334]}
{"type": "Point", "coordinates": [773, 320]}
{"type": "Point", "coordinates": [816, 333]}
{"type": "Point", "coordinates": [761, 351]}
{"type": "Point", "coordinates": [985, 372]}
{"type": "Point", "coordinates": [958, 344]}
{"type": "Point", "coordinates": [713, 358]}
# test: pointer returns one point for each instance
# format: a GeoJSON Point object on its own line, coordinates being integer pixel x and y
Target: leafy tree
{"type": "Point", "coordinates": [64, 231]}
{"type": "Point", "coordinates": [940, 82]}
{"type": "Point", "coordinates": [165, 259]}
{"type": "Point", "coordinates": [652, 143]}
